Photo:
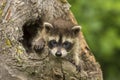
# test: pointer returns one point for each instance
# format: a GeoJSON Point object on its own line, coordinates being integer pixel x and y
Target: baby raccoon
{"type": "Point", "coordinates": [63, 38]}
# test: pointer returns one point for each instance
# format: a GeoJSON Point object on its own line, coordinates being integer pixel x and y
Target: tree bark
{"type": "Point", "coordinates": [17, 64]}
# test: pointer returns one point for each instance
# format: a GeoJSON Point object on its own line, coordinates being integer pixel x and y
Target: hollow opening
{"type": "Point", "coordinates": [30, 30]}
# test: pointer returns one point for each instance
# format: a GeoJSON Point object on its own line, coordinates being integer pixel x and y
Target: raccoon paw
{"type": "Point", "coordinates": [39, 45]}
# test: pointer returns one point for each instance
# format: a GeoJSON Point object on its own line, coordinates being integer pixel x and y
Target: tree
{"type": "Point", "coordinates": [17, 64]}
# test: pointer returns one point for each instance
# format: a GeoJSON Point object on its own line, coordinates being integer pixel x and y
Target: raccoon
{"type": "Point", "coordinates": [62, 39]}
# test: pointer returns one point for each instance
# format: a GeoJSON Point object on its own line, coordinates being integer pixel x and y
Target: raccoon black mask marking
{"type": "Point", "coordinates": [53, 43]}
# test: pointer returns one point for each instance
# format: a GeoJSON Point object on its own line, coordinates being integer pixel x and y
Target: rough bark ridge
{"type": "Point", "coordinates": [16, 64]}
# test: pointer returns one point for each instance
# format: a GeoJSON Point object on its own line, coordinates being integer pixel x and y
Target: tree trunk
{"type": "Point", "coordinates": [17, 64]}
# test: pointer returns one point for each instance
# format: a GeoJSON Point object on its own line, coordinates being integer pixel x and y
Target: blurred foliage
{"type": "Point", "coordinates": [100, 21]}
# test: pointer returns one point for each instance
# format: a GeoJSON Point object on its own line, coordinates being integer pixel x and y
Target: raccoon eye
{"type": "Point", "coordinates": [67, 45]}
{"type": "Point", "coordinates": [52, 43]}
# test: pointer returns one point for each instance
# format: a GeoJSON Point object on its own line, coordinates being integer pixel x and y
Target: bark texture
{"type": "Point", "coordinates": [17, 64]}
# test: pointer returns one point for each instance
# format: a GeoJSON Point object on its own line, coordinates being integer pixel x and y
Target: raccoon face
{"type": "Point", "coordinates": [60, 44]}
{"type": "Point", "coordinates": [58, 47]}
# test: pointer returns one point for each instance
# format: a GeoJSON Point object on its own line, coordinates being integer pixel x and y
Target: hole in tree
{"type": "Point", "coordinates": [30, 30]}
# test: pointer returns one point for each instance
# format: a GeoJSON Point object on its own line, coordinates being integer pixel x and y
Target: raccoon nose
{"type": "Point", "coordinates": [58, 54]}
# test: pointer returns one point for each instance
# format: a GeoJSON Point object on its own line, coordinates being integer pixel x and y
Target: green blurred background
{"type": "Point", "coordinates": [100, 21]}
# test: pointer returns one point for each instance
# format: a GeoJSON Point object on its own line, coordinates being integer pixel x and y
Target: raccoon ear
{"type": "Point", "coordinates": [76, 29]}
{"type": "Point", "coordinates": [48, 26]}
